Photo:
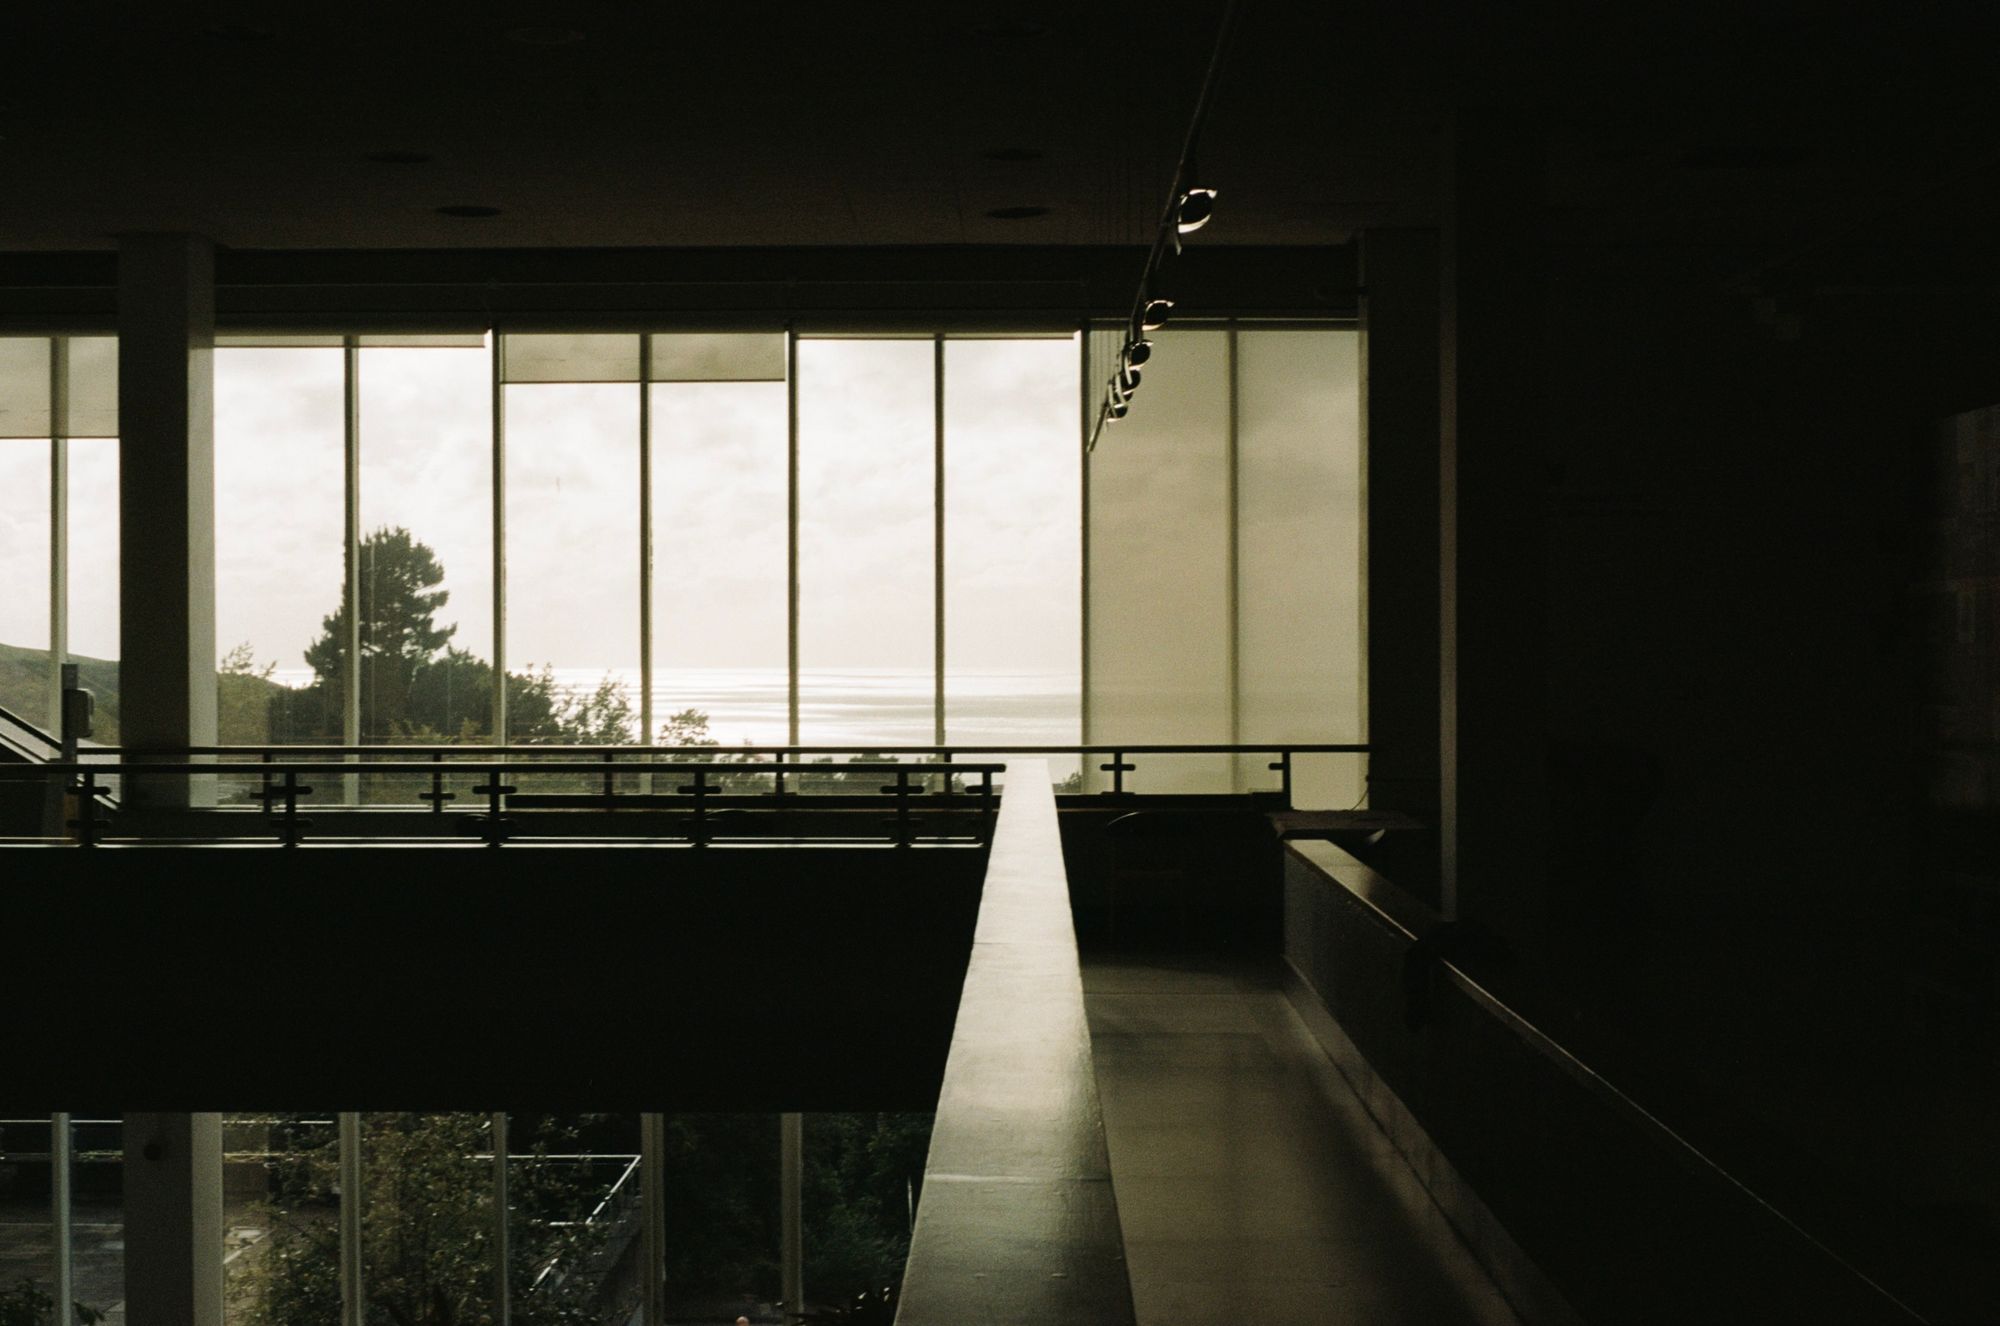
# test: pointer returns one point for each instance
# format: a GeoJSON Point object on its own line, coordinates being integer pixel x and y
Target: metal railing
{"type": "Point", "coordinates": [696, 784]}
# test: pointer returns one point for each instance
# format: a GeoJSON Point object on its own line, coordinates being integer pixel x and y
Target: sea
{"type": "Point", "coordinates": [847, 706]}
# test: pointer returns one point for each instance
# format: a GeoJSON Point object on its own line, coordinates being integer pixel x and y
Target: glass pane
{"type": "Point", "coordinates": [1013, 546]}
{"type": "Point", "coordinates": [592, 358]}
{"type": "Point", "coordinates": [25, 686]}
{"type": "Point", "coordinates": [279, 558]}
{"type": "Point", "coordinates": [97, 1213]}
{"type": "Point", "coordinates": [722, 1225]}
{"type": "Point", "coordinates": [576, 1234]}
{"type": "Point", "coordinates": [93, 386]}
{"type": "Point", "coordinates": [573, 563]}
{"type": "Point", "coordinates": [1299, 555]}
{"type": "Point", "coordinates": [281, 1218]}
{"type": "Point", "coordinates": [426, 552]}
{"type": "Point", "coordinates": [867, 435]}
{"type": "Point", "coordinates": [27, 1223]}
{"type": "Point", "coordinates": [93, 575]}
{"type": "Point", "coordinates": [427, 1225]}
{"type": "Point", "coordinates": [24, 386]}
{"type": "Point", "coordinates": [1159, 564]}
{"type": "Point", "coordinates": [864, 1175]}
{"type": "Point", "coordinates": [719, 357]}
{"type": "Point", "coordinates": [719, 590]}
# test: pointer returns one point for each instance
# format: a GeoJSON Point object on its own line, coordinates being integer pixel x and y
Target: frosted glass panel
{"type": "Point", "coordinates": [1159, 564]}
{"type": "Point", "coordinates": [573, 560]}
{"type": "Point", "coordinates": [93, 386]}
{"type": "Point", "coordinates": [720, 357]}
{"type": "Point", "coordinates": [1013, 543]}
{"type": "Point", "coordinates": [719, 588]}
{"type": "Point", "coordinates": [24, 386]}
{"type": "Point", "coordinates": [25, 687]}
{"type": "Point", "coordinates": [866, 532]}
{"type": "Point", "coordinates": [280, 565]}
{"type": "Point", "coordinates": [1299, 555]}
{"type": "Point", "coordinates": [592, 358]}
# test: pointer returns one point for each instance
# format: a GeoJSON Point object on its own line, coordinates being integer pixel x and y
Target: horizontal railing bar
{"type": "Point", "coordinates": [982, 747]}
{"type": "Point", "coordinates": [127, 767]}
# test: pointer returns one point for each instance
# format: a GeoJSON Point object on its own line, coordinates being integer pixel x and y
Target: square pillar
{"type": "Point", "coordinates": [1399, 432]}
{"type": "Point", "coordinates": [173, 1220]}
{"type": "Point", "coordinates": [1494, 432]}
{"type": "Point", "coordinates": [166, 502]}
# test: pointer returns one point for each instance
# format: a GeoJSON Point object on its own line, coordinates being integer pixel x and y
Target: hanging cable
{"type": "Point", "coordinates": [1190, 205]}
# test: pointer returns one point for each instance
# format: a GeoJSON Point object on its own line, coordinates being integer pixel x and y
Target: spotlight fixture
{"type": "Point", "coordinates": [1129, 380]}
{"type": "Point", "coordinates": [1116, 409]}
{"type": "Point", "coordinates": [1137, 352]}
{"type": "Point", "coordinates": [1155, 316]}
{"type": "Point", "coordinates": [1196, 207]}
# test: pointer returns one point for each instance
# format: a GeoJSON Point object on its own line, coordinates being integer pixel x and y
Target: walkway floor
{"type": "Point", "coordinates": [1253, 1188]}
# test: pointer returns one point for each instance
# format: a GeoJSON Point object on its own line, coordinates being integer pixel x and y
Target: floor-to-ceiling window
{"type": "Point", "coordinates": [736, 537]}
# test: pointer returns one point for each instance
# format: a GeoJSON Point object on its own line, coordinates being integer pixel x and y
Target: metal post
{"type": "Point", "coordinates": [791, 1215]}
{"type": "Point", "coordinates": [1232, 481]}
{"type": "Point", "coordinates": [499, 362]}
{"type": "Point", "coordinates": [653, 1193]}
{"type": "Point", "coordinates": [646, 543]}
{"type": "Point", "coordinates": [352, 1304]}
{"type": "Point", "coordinates": [937, 535]}
{"type": "Point", "coordinates": [350, 702]}
{"type": "Point", "coordinates": [792, 534]}
{"type": "Point", "coordinates": [59, 1215]}
{"type": "Point", "coordinates": [1084, 421]}
{"type": "Point", "coordinates": [58, 523]}
{"type": "Point", "coordinates": [503, 1302]}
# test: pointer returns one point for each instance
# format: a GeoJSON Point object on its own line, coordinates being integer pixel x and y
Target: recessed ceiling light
{"type": "Point", "coordinates": [1012, 154]}
{"type": "Point", "coordinates": [536, 34]}
{"type": "Point", "coordinates": [397, 157]}
{"type": "Point", "coordinates": [236, 32]}
{"type": "Point", "coordinates": [1009, 29]}
{"type": "Point", "coordinates": [1017, 213]}
{"type": "Point", "coordinates": [468, 210]}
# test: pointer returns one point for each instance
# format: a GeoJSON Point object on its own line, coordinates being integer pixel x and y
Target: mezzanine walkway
{"type": "Point", "coordinates": [1252, 1186]}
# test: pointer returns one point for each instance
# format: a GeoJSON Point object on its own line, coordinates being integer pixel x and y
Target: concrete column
{"type": "Point", "coordinates": [173, 1220]}
{"type": "Point", "coordinates": [166, 501]}
{"type": "Point", "coordinates": [1399, 432]}
{"type": "Point", "coordinates": [1492, 536]}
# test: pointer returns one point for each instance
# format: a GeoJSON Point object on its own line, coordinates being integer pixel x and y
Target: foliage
{"type": "Point", "coordinates": [427, 1230]}
{"type": "Point", "coordinates": [27, 1304]}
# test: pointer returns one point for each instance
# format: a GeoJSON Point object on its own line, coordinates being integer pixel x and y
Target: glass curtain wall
{"type": "Point", "coordinates": [1224, 601]}
{"type": "Point", "coordinates": [649, 502]}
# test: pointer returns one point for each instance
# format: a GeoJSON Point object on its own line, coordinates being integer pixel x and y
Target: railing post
{"type": "Point", "coordinates": [904, 831]}
{"type": "Point", "coordinates": [610, 789]}
{"type": "Point", "coordinates": [289, 831]}
{"type": "Point", "coordinates": [265, 794]}
{"type": "Point", "coordinates": [495, 826]}
{"type": "Point", "coordinates": [699, 834]}
{"type": "Point", "coordinates": [1118, 768]}
{"type": "Point", "coordinates": [1283, 767]}
{"type": "Point", "coordinates": [85, 822]}
{"type": "Point", "coordinates": [437, 796]}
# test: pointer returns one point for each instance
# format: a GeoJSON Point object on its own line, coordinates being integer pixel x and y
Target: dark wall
{"type": "Point", "coordinates": [1732, 907]}
{"type": "Point", "coordinates": [452, 978]}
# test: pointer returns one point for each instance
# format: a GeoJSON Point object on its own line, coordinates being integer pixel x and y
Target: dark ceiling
{"type": "Point", "coordinates": [1764, 130]}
